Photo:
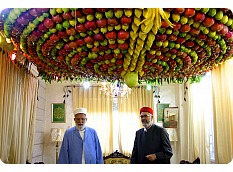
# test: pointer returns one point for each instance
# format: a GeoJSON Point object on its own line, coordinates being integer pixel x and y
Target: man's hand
{"type": "Point", "coordinates": [151, 157]}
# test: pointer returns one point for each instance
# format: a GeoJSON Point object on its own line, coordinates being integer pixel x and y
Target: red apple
{"type": "Point", "coordinates": [172, 37]}
{"type": "Point", "coordinates": [161, 37]}
{"type": "Point", "coordinates": [118, 56]}
{"type": "Point", "coordinates": [199, 17]}
{"type": "Point", "coordinates": [112, 21]}
{"type": "Point", "coordinates": [101, 9]}
{"type": "Point", "coordinates": [88, 11]}
{"type": "Point", "coordinates": [73, 44]}
{"type": "Point", "coordinates": [180, 40]}
{"type": "Point", "coordinates": [95, 49]}
{"type": "Point", "coordinates": [224, 31]}
{"type": "Point", "coordinates": [185, 28]}
{"type": "Point", "coordinates": [123, 35]}
{"type": "Point", "coordinates": [88, 39]}
{"type": "Point", "coordinates": [113, 46]}
{"type": "Point", "coordinates": [42, 28]}
{"type": "Point", "coordinates": [111, 35]}
{"type": "Point", "coordinates": [67, 16]}
{"type": "Point", "coordinates": [67, 47]}
{"type": "Point", "coordinates": [176, 26]}
{"type": "Point", "coordinates": [194, 31]}
{"type": "Point", "coordinates": [101, 23]}
{"type": "Point", "coordinates": [99, 37]}
{"type": "Point", "coordinates": [80, 42]}
{"type": "Point", "coordinates": [123, 46]}
{"type": "Point", "coordinates": [90, 25]}
{"type": "Point", "coordinates": [70, 31]}
{"type": "Point", "coordinates": [164, 24]}
{"type": "Point", "coordinates": [81, 28]}
{"type": "Point", "coordinates": [189, 43]}
{"type": "Point", "coordinates": [208, 21]}
{"type": "Point", "coordinates": [125, 20]}
{"type": "Point", "coordinates": [62, 34]}
{"type": "Point", "coordinates": [217, 27]}
{"type": "Point", "coordinates": [76, 13]}
{"type": "Point", "coordinates": [202, 36]}
{"type": "Point", "coordinates": [189, 12]}
{"type": "Point", "coordinates": [57, 18]}
{"type": "Point", "coordinates": [49, 23]}
{"type": "Point", "coordinates": [119, 62]}
{"type": "Point", "coordinates": [179, 10]}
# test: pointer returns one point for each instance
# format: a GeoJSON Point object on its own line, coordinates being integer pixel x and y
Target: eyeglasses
{"type": "Point", "coordinates": [145, 116]}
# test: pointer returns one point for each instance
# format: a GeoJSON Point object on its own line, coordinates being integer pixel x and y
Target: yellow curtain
{"type": "Point", "coordinates": [199, 120]}
{"type": "Point", "coordinates": [99, 109]}
{"type": "Point", "coordinates": [129, 121]}
{"type": "Point", "coordinates": [223, 111]}
{"type": "Point", "coordinates": [18, 91]}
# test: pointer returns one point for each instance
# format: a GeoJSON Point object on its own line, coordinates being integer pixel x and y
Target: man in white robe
{"type": "Point", "coordinates": [80, 144]}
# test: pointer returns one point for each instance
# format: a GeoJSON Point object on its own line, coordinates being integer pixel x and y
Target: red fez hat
{"type": "Point", "coordinates": [146, 109]}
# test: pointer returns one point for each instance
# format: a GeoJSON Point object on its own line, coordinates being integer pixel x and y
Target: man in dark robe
{"type": "Point", "coordinates": [151, 144]}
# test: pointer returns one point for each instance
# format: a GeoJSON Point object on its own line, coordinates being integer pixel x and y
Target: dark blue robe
{"type": "Point", "coordinates": [153, 141]}
{"type": "Point", "coordinates": [72, 146]}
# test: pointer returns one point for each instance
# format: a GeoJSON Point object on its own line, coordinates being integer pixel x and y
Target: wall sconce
{"type": "Point", "coordinates": [57, 136]}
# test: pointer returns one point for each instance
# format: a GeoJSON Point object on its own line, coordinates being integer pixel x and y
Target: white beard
{"type": "Point", "coordinates": [80, 127]}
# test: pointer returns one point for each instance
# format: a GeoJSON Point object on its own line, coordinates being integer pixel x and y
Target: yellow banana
{"type": "Point", "coordinates": [133, 35]}
{"type": "Point", "coordinates": [136, 21]}
{"type": "Point", "coordinates": [165, 17]}
{"type": "Point", "coordinates": [130, 51]}
{"type": "Point", "coordinates": [138, 12]}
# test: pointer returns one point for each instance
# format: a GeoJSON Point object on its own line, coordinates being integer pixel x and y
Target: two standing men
{"type": "Point", "coordinates": [81, 144]}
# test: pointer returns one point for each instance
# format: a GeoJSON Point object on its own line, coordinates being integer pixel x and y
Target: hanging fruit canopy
{"type": "Point", "coordinates": [150, 44]}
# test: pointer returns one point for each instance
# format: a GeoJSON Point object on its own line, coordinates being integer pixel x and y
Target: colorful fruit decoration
{"type": "Point", "coordinates": [171, 44]}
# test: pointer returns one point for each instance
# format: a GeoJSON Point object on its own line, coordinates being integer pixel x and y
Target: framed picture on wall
{"type": "Point", "coordinates": [160, 111]}
{"type": "Point", "coordinates": [58, 113]}
{"type": "Point", "coordinates": [170, 117]}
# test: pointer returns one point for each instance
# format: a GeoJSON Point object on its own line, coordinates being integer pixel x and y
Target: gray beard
{"type": "Point", "coordinates": [79, 127]}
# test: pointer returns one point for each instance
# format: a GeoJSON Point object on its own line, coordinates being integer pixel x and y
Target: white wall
{"type": "Point", "coordinates": [39, 125]}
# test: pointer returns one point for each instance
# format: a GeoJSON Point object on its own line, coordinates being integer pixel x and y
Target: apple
{"type": "Point", "coordinates": [34, 12]}
{"type": "Point", "coordinates": [111, 35]}
{"type": "Point", "coordinates": [76, 13]}
{"type": "Point", "coordinates": [202, 36]}
{"type": "Point", "coordinates": [48, 23]}
{"type": "Point", "coordinates": [224, 19]}
{"type": "Point", "coordinates": [59, 26]}
{"type": "Point", "coordinates": [194, 31]}
{"type": "Point", "coordinates": [204, 10]}
{"type": "Point", "coordinates": [175, 17]}
{"type": "Point", "coordinates": [88, 11]}
{"type": "Point", "coordinates": [81, 19]}
{"type": "Point", "coordinates": [212, 12]}
{"type": "Point", "coordinates": [180, 40]}
{"type": "Point", "coordinates": [103, 30]}
{"type": "Point", "coordinates": [183, 20]}
{"type": "Point", "coordinates": [125, 20]}
{"type": "Point", "coordinates": [80, 42]}
{"type": "Point", "coordinates": [90, 25]}
{"type": "Point", "coordinates": [161, 37]}
{"type": "Point", "coordinates": [71, 31]}
{"type": "Point", "coordinates": [172, 38]}
{"type": "Point", "coordinates": [189, 12]}
{"type": "Point", "coordinates": [123, 35]}
{"type": "Point", "coordinates": [99, 37]}
{"type": "Point", "coordinates": [176, 26]}
{"type": "Point", "coordinates": [189, 44]}
{"type": "Point", "coordinates": [219, 15]}
{"type": "Point", "coordinates": [98, 15]}
{"type": "Point", "coordinates": [73, 44]}
{"type": "Point", "coordinates": [42, 28]}
{"type": "Point", "coordinates": [80, 28]}
{"type": "Point", "coordinates": [113, 46]}
{"type": "Point", "coordinates": [67, 16]}
{"type": "Point", "coordinates": [185, 28]}
{"type": "Point", "coordinates": [118, 13]}
{"type": "Point", "coordinates": [90, 17]}
{"type": "Point", "coordinates": [109, 14]}
{"type": "Point", "coordinates": [208, 21]}
{"type": "Point", "coordinates": [88, 39]}
{"type": "Point", "coordinates": [217, 27]}
{"type": "Point", "coordinates": [112, 21]}
{"type": "Point", "coordinates": [123, 46]}
{"type": "Point", "coordinates": [179, 10]}
{"type": "Point", "coordinates": [224, 30]}
{"type": "Point", "coordinates": [199, 17]}
{"type": "Point", "coordinates": [117, 27]}
{"type": "Point", "coordinates": [57, 18]}
{"type": "Point", "coordinates": [101, 23]}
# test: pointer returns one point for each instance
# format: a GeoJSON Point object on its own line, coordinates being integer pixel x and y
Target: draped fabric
{"type": "Point", "coordinates": [222, 77]}
{"type": "Point", "coordinates": [129, 120]}
{"type": "Point", "coordinates": [18, 92]}
{"type": "Point", "coordinates": [99, 114]}
{"type": "Point", "coordinates": [198, 124]}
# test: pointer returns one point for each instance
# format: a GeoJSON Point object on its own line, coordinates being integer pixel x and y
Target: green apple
{"type": "Point", "coordinates": [169, 31]}
{"type": "Point", "coordinates": [204, 10]}
{"type": "Point", "coordinates": [98, 15]}
{"type": "Point", "coordinates": [66, 24]}
{"type": "Point", "coordinates": [105, 42]}
{"type": "Point", "coordinates": [117, 51]}
{"type": "Point", "coordinates": [175, 17]}
{"type": "Point", "coordinates": [183, 20]}
{"type": "Point", "coordinates": [196, 24]}
{"type": "Point", "coordinates": [229, 22]}
{"type": "Point", "coordinates": [175, 32]}
{"type": "Point", "coordinates": [125, 27]}
{"type": "Point", "coordinates": [190, 21]}
{"type": "Point", "coordinates": [224, 19]}
{"type": "Point", "coordinates": [59, 26]}
{"type": "Point", "coordinates": [72, 22]}
{"type": "Point", "coordinates": [120, 41]}
{"type": "Point", "coordinates": [59, 10]}
{"type": "Point", "coordinates": [41, 18]}
{"type": "Point", "coordinates": [71, 37]}
{"type": "Point", "coordinates": [36, 21]}
{"type": "Point", "coordinates": [103, 30]}
{"type": "Point", "coordinates": [83, 34]}
{"type": "Point", "coordinates": [212, 34]}
{"type": "Point", "coordinates": [188, 36]}
{"type": "Point", "coordinates": [109, 14]}
{"type": "Point", "coordinates": [171, 44]}
{"type": "Point", "coordinates": [159, 43]}
{"type": "Point", "coordinates": [81, 19]}
{"type": "Point", "coordinates": [52, 30]}
{"type": "Point", "coordinates": [111, 41]}
{"type": "Point", "coordinates": [110, 28]}
{"type": "Point", "coordinates": [96, 43]}
{"type": "Point", "coordinates": [118, 13]}
{"type": "Point", "coordinates": [206, 31]}
{"type": "Point", "coordinates": [17, 11]}
{"type": "Point", "coordinates": [31, 25]}
{"type": "Point", "coordinates": [162, 30]}
{"type": "Point", "coordinates": [212, 12]}
{"type": "Point", "coordinates": [117, 27]}
{"type": "Point", "coordinates": [65, 10]}
{"type": "Point", "coordinates": [108, 51]}
{"type": "Point", "coordinates": [89, 45]}
{"type": "Point", "coordinates": [90, 17]}
{"type": "Point", "coordinates": [219, 15]}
